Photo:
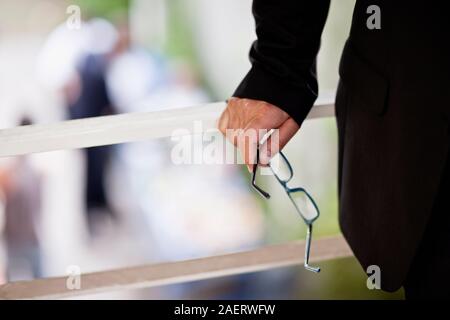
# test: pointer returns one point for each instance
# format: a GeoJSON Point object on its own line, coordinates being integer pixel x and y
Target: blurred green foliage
{"type": "Point", "coordinates": [180, 41]}
{"type": "Point", "coordinates": [108, 9]}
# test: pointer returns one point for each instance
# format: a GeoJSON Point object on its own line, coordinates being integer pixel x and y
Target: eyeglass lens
{"type": "Point", "coordinates": [281, 168]}
{"type": "Point", "coordinates": [304, 204]}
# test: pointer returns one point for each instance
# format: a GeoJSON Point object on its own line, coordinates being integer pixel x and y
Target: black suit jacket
{"type": "Point", "coordinates": [392, 109]}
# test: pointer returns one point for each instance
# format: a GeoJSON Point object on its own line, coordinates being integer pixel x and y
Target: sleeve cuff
{"type": "Point", "coordinates": [258, 84]}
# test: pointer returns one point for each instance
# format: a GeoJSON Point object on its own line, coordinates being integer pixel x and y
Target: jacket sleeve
{"type": "Point", "coordinates": [283, 57]}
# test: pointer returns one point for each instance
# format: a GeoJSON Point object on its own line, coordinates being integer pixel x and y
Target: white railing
{"type": "Point", "coordinates": [140, 126]}
{"type": "Point", "coordinates": [121, 128]}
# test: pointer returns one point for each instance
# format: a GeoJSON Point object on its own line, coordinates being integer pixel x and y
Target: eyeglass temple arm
{"type": "Point", "coordinates": [307, 250]}
{"type": "Point", "coordinates": [255, 167]}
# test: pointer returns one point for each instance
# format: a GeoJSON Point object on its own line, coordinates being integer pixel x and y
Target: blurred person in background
{"type": "Point", "coordinates": [93, 101]}
{"type": "Point", "coordinates": [81, 79]}
{"type": "Point", "coordinates": [21, 189]}
{"type": "Point", "coordinates": [133, 75]}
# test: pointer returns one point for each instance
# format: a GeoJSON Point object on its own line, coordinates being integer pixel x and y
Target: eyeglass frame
{"type": "Point", "coordinates": [289, 190]}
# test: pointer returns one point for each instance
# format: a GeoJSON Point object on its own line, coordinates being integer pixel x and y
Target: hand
{"type": "Point", "coordinates": [244, 116]}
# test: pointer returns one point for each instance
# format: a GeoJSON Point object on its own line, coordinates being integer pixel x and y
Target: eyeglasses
{"type": "Point", "coordinates": [303, 202]}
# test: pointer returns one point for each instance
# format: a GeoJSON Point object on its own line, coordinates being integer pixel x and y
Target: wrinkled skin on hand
{"type": "Point", "coordinates": [242, 122]}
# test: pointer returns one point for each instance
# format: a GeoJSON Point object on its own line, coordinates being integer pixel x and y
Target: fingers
{"type": "Point", "coordinates": [240, 125]}
{"type": "Point", "coordinates": [244, 122]}
{"type": "Point", "coordinates": [247, 143]}
{"type": "Point", "coordinates": [278, 139]}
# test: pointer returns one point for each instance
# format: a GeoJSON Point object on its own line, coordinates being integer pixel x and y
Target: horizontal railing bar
{"type": "Point", "coordinates": [121, 128]}
{"type": "Point", "coordinates": [152, 275]}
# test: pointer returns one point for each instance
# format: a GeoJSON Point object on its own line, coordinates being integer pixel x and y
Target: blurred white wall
{"type": "Point", "coordinates": [223, 31]}
{"type": "Point", "coordinates": [148, 22]}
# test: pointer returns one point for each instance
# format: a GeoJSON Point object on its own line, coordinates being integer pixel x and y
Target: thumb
{"type": "Point", "coordinates": [277, 140]}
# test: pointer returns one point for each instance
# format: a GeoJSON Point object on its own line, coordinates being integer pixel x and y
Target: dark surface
{"type": "Point", "coordinates": [427, 277]}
